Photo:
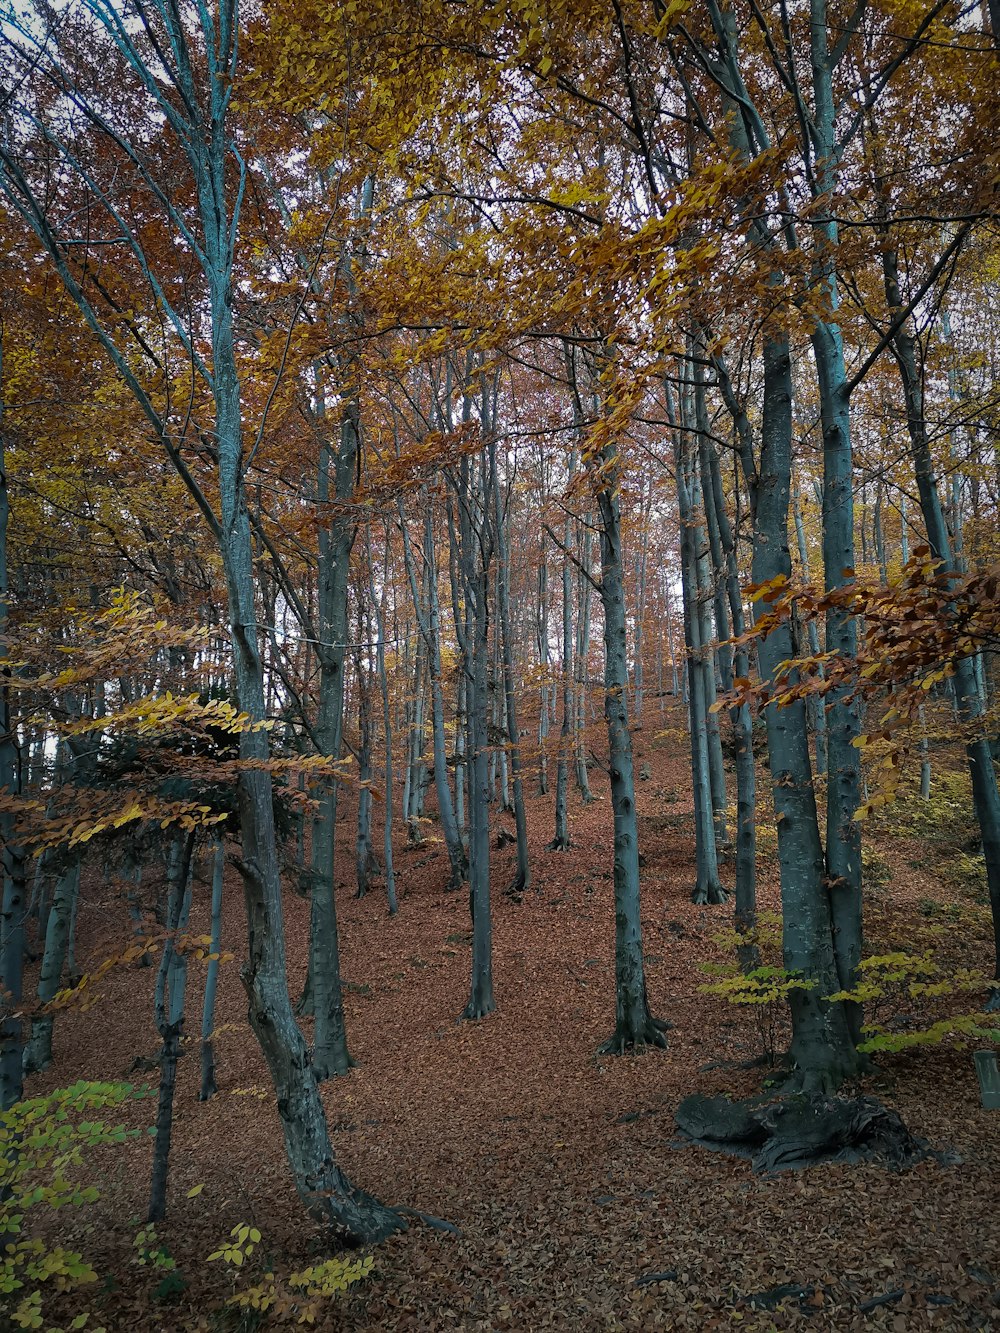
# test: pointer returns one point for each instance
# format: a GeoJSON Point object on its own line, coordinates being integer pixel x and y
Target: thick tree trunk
{"type": "Point", "coordinates": [843, 723]}
{"type": "Point", "coordinates": [323, 1188]}
{"type": "Point", "coordinates": [330, 1052]}
{"type": "Point", "coordinates": [822, 1047]}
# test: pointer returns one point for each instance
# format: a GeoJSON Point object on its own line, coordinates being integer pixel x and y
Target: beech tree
{"type": "Point", "coordinates": [180, 76]}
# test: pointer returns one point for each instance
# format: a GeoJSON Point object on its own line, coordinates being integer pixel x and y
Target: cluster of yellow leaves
{"type": "Point", "coordinates": [42, 1140]}
{"type": "Point", "coordinates": [298, 1297]}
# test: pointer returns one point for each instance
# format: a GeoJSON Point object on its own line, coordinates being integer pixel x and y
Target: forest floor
{"type": "Point", "coordinates": [577, 1209]}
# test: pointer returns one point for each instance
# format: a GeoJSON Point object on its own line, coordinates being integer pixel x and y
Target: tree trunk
{"type": "Point", "coordinates": [968, 701]}
{"type": "Point", "coordinates": [390, 873]}
{"type": "Point", "coordinates": [822, 1047]}
{"type": "Point", "coordinates": [38, 1051]}
{"type": "Point", "coordinates": [634, 1025]}
{"type": "Point", "coordinates": [336, 539]}
{"type": "Point", "coordinates": [171, 981]}
{"type": "Point", "coordinates": [208, 1084]}
{"type": "Point", "coordinates": [477, 551]}
{"type": "Point", "coordinates": [522, 879]}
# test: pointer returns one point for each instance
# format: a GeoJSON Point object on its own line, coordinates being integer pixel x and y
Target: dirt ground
{"type": "Point", "coordinates": [577, 1209]}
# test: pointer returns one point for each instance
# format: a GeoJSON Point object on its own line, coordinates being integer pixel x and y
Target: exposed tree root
{"type": "Point", "coordinates": [515, 889]}
{"type": "Point", "coordinates": [438, 1223]}
{"type": "Point", "coordinates": [358, 1217]}
{"type": "Point", "coordinates": [788, 1132]}
{"type": "Point", "coordinates": [335, 1067]}
{"type": "Point", "coordinates": [477, 1009]}
{"type": "Point", "coordinates": [711, 894]}
{"type": "Point", "coordinates": [627, 1037]}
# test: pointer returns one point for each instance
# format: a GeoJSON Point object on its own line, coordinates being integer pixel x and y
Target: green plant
{"type": "Point", "coordinates": [766, 989]}
{"type": "Point", "coordinates": [967, 872]}
{"type": "Point", "coordinates": [765, 937]}
{"type": "Point", "coordinates": [151, 1252]}
{"type": "Point", "coordinates": [876, 872]}
{"type": "Point", "coordinates": [946, 817]}
{"type": "Point", "coordinates": [43, 1140]}
{"type": "Point", "coordinates": [293, 1298]}
{"type": "Point", "coordinates": [890, 984]}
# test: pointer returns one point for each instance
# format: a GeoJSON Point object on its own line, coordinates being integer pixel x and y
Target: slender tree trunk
{"type": "Point", "coordinates": [522, 879]}
{"type": "Point", "coordinates": [582, 663]}
{"type": "Point", "coordinates": [817, 707]}
{"type": "Point", "coordinates": [634, 1025]}
{"type": "Point", "coordinates": [390, 873]}
{"type": "Point", "coordinates": [707, 572]}
{"type": "Point", "coordinates": [38, 1051]}
{"type": "Point", "coordinates": [985, 795]}
{"type": "Point", "coordinates": [708, 887]}
{"type": "Point", "coordinates": [365, 862]}
{"type": "Point", "coordinates": [171, 981]}
{"type": "Point", "coordinates": [209, 1087]}
{"type": "Point", "coordinates": [542, 641]}
{"type": "Point", "coordinates": [428, 623]}
{"type": "Point", "coordinates": [12, 939]}
{"type": "Point", "coordinates": [740, 720]}
{"type": "Point", "coordinates": [561, 842]}
{"type": "Point", "coordinates": [477, 550]}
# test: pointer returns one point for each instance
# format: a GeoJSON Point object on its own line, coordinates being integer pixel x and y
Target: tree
{"type": "Point", "coordinates": [181, 76]}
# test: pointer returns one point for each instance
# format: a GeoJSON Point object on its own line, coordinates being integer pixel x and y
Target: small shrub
{"type": "Point", "coordinates": [43, 1140]}
{"type": "Point", "coordinates": [894, 985]}
{"type": "Point", "coordinates": [946, 818]}
{"type": "Point", "coordinates": [967, 872]}
{"type": "Point", "coordinates": [876, 872]}
{"type": "Point", "coordinates": [286, 1298]}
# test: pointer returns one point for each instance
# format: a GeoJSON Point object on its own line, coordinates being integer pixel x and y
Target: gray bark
{"type": "Point", "coordinates": [843, 832]}
{"type": "Point", "coordinates": [171, 982]}
{"type": "Point", "coordinates": [634, 1025]}
{"type": "Point", "coordinates": [390, 873]}
{"type": "Point", "coordinates": [522, 878]}
{"type": "Point", "coordinates": [202, 67]}
{"type": "Point", "coordinates": [968, 700]}
{"type": "Point", "coordinates": [38, 1050]}
{"type": "Point", "coordinates": [208, 1084]}
{"type": "Point", "coordinates": [476, 556]}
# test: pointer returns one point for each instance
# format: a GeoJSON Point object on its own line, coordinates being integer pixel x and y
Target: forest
{"type": "Point", "coordinates": [499, 664]}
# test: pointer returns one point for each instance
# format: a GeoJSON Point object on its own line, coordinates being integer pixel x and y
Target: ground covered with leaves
{"type": "Point", "coordinates": [575, 1204]}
